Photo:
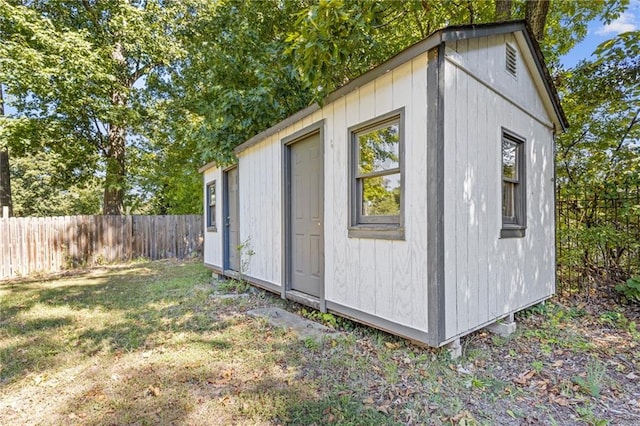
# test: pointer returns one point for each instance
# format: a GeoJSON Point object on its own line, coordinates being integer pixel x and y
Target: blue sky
{"type": "Point", "coordinates": [599, 32]}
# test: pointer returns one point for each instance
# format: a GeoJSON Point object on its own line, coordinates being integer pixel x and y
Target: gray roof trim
{"type": "Point", "coordinates": [280, 126]}
{"type": "Point", "coordinates": [207, 166]}
{"type": "Point", "coordinates": [546, 78]}
{"type": "Point", "coordinates": [447, 34]}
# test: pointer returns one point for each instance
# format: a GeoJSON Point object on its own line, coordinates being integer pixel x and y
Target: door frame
{"type": "Point", "coordinates": [225, 214]}
{"type": "Point", "coordinates": [315, 128]}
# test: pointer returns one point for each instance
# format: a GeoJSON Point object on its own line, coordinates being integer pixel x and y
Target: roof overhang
{"type": "Point", "coordinates": [209, 165]}
{"type": "Point", "coordinates": [444, 35]}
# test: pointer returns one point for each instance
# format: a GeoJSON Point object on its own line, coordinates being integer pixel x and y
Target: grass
{"type": "Point", "coordinates": [152, 343]}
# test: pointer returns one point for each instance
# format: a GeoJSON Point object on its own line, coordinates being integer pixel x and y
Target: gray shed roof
{"type": "Point", "coordinates": [444, 35]}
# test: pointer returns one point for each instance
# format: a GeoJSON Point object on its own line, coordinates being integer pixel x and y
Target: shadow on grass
{"type": "Point", "coordinates": [120, 311]}
{"type": "Point", "coordinates": [124, 313]}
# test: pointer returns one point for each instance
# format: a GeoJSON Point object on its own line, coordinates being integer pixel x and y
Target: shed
{"type": "Point", "coordinates": [418, 199]}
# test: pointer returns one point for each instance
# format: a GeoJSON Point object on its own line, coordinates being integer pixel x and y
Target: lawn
{"type": "Point", "coordinates": [152, 343]}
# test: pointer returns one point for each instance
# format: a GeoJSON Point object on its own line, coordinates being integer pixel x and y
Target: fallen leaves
{"type": "Point", "coordinates": [153, 391]}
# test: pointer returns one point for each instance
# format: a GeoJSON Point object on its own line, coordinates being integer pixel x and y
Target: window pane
{"type": "Point", "coordinates": [379, 149]}
{"type": "Point", "coordinates": [509, 161]}
{"type": "Point", "coordinates": [212, 195]}
{"type": "Point", "coordinates": [381, 195]}
{"type": "Point", "coordinates": [509, 200]}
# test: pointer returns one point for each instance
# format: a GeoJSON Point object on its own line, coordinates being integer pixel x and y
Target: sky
{"type": "Point", "coordinates": [599, 32]}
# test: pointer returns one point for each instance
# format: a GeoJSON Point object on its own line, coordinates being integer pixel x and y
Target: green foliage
{"type": "Point", "coordinates": [592, 381]}
{"type": "Point", "coordinates": [326, 318]}
{"type": "Point", "coordinates": [238, 80]}
{"type": "Point", "coordinates": [188, 81]}
{"type": "Point", "coordinates": [43, 185]}
{"type": "Point", "coordinates": [630, 289]}
{"type": "Point", "coordinates": [336, 409]}
{"type": "Point", "coordinates": [83, 77]}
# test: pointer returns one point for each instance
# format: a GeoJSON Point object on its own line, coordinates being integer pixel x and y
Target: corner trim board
{"type": "Point", "coordinates": [435, 194]}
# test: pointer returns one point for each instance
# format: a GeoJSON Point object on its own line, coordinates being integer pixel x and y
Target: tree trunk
{"type": "Point", "coordinates": [536, 16]}
{"type": "Point", "coordinates": [5, 173]}
{"type": "Point", "coordinates": [503, 10]}
{"type": "Point", "coordinates": [116, 173]}
{"type": "Point", "coordinates": [116, 176]}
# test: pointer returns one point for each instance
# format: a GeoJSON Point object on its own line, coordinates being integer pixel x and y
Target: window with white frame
{"type": "Point", "coordinates": [211, 206]}
{"type": "Point", "coordinates": [513, 185]}
{"type": "Point", "coordinates": [377, 178]}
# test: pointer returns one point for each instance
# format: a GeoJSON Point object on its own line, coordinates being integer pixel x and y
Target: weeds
{"type": "Point", "coordinates": [146, 344]}
{"type": "Point", "coordinates": [592, 380]}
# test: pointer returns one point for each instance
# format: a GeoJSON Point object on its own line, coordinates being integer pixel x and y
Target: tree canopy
{"type": "Point", "coordinates": [132, 96]}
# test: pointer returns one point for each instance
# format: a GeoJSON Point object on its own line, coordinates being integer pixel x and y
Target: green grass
{"type": "Point", "coordinates": [151, 343]}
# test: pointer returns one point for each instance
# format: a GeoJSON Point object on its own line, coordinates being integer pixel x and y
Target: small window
{"type": "Point", "coordinates": [377, 178]}
{"type": "Point", "coordinates": [211, 206]}
{"type": "Point", "coordinates": [511, 60]}
{"type": "Point", "coordinates": [513, 185]}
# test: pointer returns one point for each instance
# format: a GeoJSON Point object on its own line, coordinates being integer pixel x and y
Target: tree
{"type": "Point", "coordinates": [238, 79]}
{"type": "Point", "coordinates": [336, 41]}
{"type": "Point", "coordinates": [42, 187]}
{"type": "Point", "coordinates": [82, 74]}
{"type": "Point", "coordinates": [536, 16]}
{"type": "Point", "coordinates": [5, 175]}
{"type": "Point", "coordinates": [503, 10]}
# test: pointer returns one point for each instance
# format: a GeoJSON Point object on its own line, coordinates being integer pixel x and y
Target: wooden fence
{"type": "Point", "coordinates": [50, 244]}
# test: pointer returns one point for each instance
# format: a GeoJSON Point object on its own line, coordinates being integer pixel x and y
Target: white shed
{"type": "Point", "coordinates": [418, 199]}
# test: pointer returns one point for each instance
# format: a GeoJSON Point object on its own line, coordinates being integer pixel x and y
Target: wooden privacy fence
{"type": "Point", "coordinates": [50, 244]}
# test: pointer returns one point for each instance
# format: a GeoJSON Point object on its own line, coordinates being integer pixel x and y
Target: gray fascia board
{"type": "Point", "coordinates": [463, 32]}
{"type": "Point", "coordinates": [278, 127]}
{"type": "Point", "coordinates": [538, 57]}
{"type": "Point", "coordinates": [444, 35]}
{"type": "Point", "coordinates": [207, 166]}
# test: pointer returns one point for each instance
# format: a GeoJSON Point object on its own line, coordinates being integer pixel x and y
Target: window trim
{"type": "Point", "coordinates": [377, 227]}
{"type": "Point", "coordinates": [211, 209]}
{"type": "Point", "coordinates": [514, 227]}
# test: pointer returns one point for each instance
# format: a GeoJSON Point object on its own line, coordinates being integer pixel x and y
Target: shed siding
{"type": "Point", "coordinates": [484, 57]}
{"type": "Point", "coordinates": [260, 180]}
{"type": "Point", "coordinates": [381, 277]}
{"type": "Point", "coordinates": [213, 240]}
{"type": "Point", "coordinates": [486, 276]}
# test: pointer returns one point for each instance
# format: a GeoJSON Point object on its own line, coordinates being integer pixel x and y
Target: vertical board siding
{"type": "Point", "coordinates": [260, 183]}
{"type": "Point", "coordinates": [487, 276]}
{"type": "Point", "coordinates": [416, 182]}
{"type": "Point", "coordinates": [30, 245]}
{"type": "Point", "coordinates": [492, 69]}
{"type": "Point", "coordinates": [336, 205]}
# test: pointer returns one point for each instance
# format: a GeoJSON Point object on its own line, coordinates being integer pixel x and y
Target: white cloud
{"type": "Point", "coordinates": [626, 22]}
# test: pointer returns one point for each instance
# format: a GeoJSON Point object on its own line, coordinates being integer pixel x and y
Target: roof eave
{"type": "Point", "coordinates": [452, 33]}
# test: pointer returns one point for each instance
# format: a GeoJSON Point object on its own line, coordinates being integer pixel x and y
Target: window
{"type": "Point", "coordinates": [211, 206]}
{"type": "Point", "coordinates": [377, 178]}
{"type": "Point", "coordinates": [513, 186]}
